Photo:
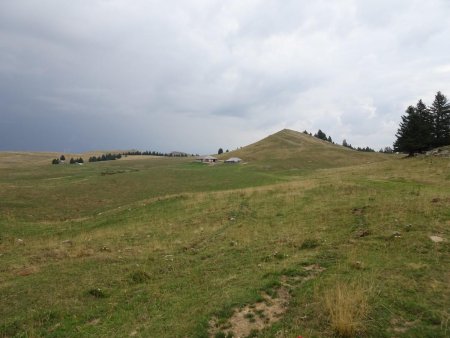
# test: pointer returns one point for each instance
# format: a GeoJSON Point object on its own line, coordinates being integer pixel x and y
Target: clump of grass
{"type": "Point", "coordinates": [347, 305]}
{"type": "Point", "coordinates": [138, 277]}
{"type": "Point", "coordinates": [97, 293]}
{"type": "Point", "coordinates": [309, 243]}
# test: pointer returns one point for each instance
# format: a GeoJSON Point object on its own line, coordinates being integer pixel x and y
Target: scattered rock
{"type": "Point", "coordinates": [168, 258]}
{"type": "Point", "coordinates": [362, 233]}
{"type": "Point", "coordinates": [94, 321]}
{"type": "Point", "coordinates": [359, 211]}
{"type": "Point", "coordinates": [20, 241]}
{"type": "Point", "coordinates": [67, 241]}
{"type": "Point", "coordinates": [436, 239]}
{"type": "Point", "coordinates": [314, 267]}
{"type": "Point", "coordinates": [97, 293]}
{"type": "Point", "coordinates": [105, 248]}
{"type": "Point", "coordinates": [396, 234]}
{"type": "Point", "coordinates": [357, 265]}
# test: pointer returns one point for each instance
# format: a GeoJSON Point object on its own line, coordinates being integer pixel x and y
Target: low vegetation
{"type": "Point", "coordinates": [349, 244]}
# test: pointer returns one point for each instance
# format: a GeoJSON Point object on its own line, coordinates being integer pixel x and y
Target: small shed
{"type": "Point", "coordinates": [233, 160]}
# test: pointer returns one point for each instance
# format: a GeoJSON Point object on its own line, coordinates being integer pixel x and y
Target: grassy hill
{"type": "Point", "coordinates": [170, 248]}
{"type": "Point", "coordinates": [288, 149]}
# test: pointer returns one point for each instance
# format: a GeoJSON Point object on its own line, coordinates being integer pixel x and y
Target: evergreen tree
{"type": "Point", "coordinates": [321, 135]}
{"type": "Point", "coordinates": [72, 161]}
{"type": "Point", "coordinates": [329, 139]}
{"type": "Point", "coordinates": [55, 161]}
{"type": "Point", "coordinates": [220, 151]}
{"type": "Point", "coordinates": [411, 135]}
{"type": "Point", "coordinates": [441, 120]}
{"type": "Point", "coordinates": [425, 129]}
{"type": "Point", "coordinates": [62, 158]}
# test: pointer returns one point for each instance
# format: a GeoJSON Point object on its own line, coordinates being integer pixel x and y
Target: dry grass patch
{"type": "Point", "coordinates": [347, 305]}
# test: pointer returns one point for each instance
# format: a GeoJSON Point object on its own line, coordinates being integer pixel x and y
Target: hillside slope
{"type": "Point", "coordinates": [289, 149]}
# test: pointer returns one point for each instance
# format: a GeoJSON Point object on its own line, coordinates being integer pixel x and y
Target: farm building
{"type": "Point", "coordinates": [207, 159]}
{"type": "Point", "coordinates": [233, 160]}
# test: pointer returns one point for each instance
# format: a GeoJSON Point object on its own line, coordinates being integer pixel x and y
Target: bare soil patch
{"type": "Point", "coordinates": [253, 317]}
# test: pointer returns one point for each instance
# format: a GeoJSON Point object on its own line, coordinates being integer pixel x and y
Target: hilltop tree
{"type": "Point", "coordinates": [440, 111]}
{"type": "Point", "coordinates": [321, 135]}
{"type": "Point", "coordinates": [346, 144]}
{"type": "Point", "coordinates": [220, 151]}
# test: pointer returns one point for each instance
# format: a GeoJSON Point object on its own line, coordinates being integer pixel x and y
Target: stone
{"type": "Point", "coordinates": [436, 239]}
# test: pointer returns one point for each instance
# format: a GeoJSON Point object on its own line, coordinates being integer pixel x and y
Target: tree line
{"type": "Point", "coordinates": [156, 153]}
{"type": "Point", "coordinates": [62, 159]}
{"type": "Point", "coordinates": [323, 136]}
{"type": "Point", "coordinates": [105, 157]}
{"type": "Point", "coordinates": [423, 128]}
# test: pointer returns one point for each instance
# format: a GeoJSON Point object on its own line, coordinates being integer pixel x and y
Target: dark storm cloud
{"type": "Point", "coordinates": [195, 75]}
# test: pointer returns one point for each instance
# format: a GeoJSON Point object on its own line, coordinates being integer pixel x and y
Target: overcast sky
{"type": "Point", "coordinates": [195, 75]}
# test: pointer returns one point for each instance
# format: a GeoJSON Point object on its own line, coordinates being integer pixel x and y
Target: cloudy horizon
{"type": "Point", "coordinates": [198, 75]}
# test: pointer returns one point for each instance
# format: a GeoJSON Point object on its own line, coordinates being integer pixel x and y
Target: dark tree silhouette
{"type": "Point", "coordinates": [321, 135]}
{"type": "Point", "coordinates": [410, 135]}
{"type": "Point", "coordinates": [441, 120]}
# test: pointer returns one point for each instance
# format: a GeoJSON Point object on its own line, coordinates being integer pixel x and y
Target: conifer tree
{"type": "Point", "coordinates": [441, 120]}
{"type": "Point", "coordinates": [321, 135]}
{"type": "Point", "coordinates": [412, 134]}
{"type": "Point", "coordinates": [424, 131]}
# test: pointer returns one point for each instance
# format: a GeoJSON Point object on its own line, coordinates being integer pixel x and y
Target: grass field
{"type": "Point", "coordinates": [170, 248]}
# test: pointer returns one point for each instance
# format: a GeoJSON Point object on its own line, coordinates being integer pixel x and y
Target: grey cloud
{"type": "Point", "coordinates": [153, 72]}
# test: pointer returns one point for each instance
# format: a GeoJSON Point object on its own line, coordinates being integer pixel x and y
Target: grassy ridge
{"type": "Point", "coordinates": [174, 244]}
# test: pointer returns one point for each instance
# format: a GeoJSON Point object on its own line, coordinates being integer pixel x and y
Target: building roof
{"type": "Point", "coordinates": [233, 159]}
{"type": "Point", "coordinates": [209, 157]}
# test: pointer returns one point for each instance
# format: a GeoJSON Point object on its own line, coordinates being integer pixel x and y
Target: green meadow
{"type": "Point", "coordinates": [334, 242]}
